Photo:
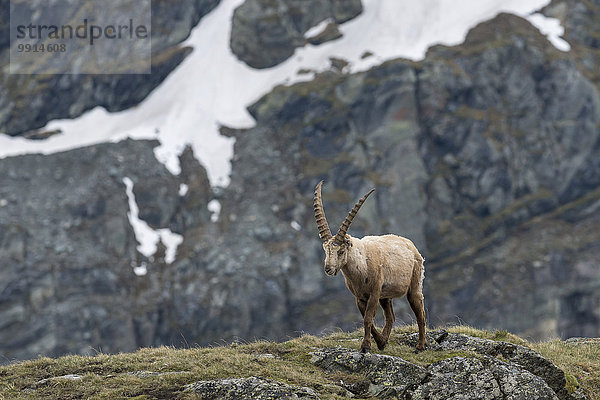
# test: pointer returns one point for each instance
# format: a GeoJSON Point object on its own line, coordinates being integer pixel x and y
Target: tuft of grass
{"type": "Point", "coordinates": [580, 361]}
{"type": "Point", "coordinates": [159, 373]}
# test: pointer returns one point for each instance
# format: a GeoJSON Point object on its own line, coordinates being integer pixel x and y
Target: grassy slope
{"type": "Point", "coordinates": [109, 376]}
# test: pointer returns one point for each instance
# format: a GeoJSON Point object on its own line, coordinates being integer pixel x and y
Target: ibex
{"type": "Point", "coordinates": [377, 269]}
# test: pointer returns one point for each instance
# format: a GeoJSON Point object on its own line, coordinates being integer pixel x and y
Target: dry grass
{"type": "Point", "coordinates": [580, 361]}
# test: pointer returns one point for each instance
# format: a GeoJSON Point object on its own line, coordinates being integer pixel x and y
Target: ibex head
{"type": "Point", "coordinates": [336, 247]}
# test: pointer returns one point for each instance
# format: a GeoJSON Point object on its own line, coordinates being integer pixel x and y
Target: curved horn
{"type": "Point", "coordinates": [324, 231]}
{"type": "Point", "coordinates": [340, 236]}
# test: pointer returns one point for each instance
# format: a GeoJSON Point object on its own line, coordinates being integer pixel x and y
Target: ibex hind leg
{"type": "Point", "coordinates": [390, 318]}
{"type": "Point", "coordinates": [415, 299]}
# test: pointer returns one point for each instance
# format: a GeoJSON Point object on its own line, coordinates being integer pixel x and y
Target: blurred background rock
{"type": "Point", "coordinates": [485, 154]}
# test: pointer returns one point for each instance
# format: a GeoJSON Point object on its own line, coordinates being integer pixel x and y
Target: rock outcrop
{"type": "Point", "coordinates": [488, 370]}
{"type": "Point", "coordinates": [388, 376]}
{"type": "Point", "coordinates": [265, 33]}
{"type": "Point", "coordinates": [523, 356]}
{"type": "Point", "coordinates": [249, 388]}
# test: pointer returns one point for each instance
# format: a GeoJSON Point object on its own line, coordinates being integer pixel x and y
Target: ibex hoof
{"type": "Point", "coordinates": [381, 346]}
{"type": "Point", "coordinates": [365, 349]}
{"type": "Point", "coordinates": [420, 347]}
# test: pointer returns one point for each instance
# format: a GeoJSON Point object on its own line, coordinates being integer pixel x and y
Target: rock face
{"type": "Point", "coordinates": [474, 156]}
{"type": "Point", "coordinates": [265, 33]}
{"type": "Point", "coordinates": [28, 102]}
{"type": "Point", "coordinates": [580, 31]}
{"type": "Point", "coordinates": [66, 278]}
{"type": "Point", "coordinates": [501, 178]}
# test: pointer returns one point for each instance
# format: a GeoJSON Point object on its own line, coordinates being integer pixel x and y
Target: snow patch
{"type": "Point", "coordinates": [140, 270]}
{"type": "Point", "coordinates": [171, 241]}
{"type": "Point", "coordinates": [146, 236]}
{"type": "Point", "coordinates": [214, 206]}
{"type": "Point", "coordinates": [211, 87]}
{"type": "Point", "coordinates": [183, 189]}
{"type": "Point", "coordinates": [296, 226]}
{"type": "Point", "coordinates": [318, 29]}
{"type": "Point", "coordinates": [552, 29]}
{"type": "Point", "coordinates": [407, 28]}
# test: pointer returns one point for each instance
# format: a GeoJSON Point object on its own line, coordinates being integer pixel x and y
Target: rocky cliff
{"type": "Point", "coordinates": [68, 249]}
{"type": "Point", "coordinates": [485, 154]}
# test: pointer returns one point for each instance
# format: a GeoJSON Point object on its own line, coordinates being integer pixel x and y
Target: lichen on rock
{"type": "Point", "coordinates": [521, 356]}
{"type": "Point", "coordinates": [249, 388]}
{"type": "Point", "coordinates": [388, 375]}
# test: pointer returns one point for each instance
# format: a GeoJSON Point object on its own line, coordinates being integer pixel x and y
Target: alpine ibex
{"type": "Point", "coordinates": [377, 269]}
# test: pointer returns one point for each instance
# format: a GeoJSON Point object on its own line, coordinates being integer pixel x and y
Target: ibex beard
{"type": "Point", "coordinates": [377, 269]}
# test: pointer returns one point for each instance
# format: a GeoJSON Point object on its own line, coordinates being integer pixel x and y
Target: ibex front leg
{"type": "Point", "coordinates": [362, 306]}
{"type": "Point", "coordinates": [369, 315]}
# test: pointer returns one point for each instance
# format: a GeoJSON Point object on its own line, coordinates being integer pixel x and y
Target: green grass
{"type": "Point", "coordinates": [163, 372]}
